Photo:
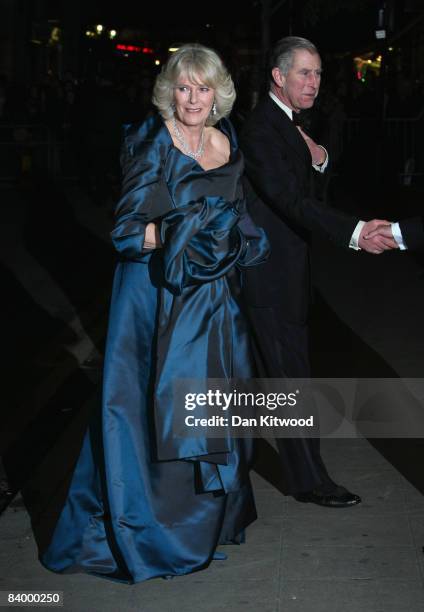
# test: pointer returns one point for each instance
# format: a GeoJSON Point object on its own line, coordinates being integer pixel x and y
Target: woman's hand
{"type": "Point", "coordinates": [152, 237]}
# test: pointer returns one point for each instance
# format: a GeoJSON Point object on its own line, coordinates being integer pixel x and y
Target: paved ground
{"type": "Point", "coordinates": [300, 558]}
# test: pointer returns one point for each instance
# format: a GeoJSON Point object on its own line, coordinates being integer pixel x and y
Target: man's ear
{"type": "Point", "coordinates": [278, 77]}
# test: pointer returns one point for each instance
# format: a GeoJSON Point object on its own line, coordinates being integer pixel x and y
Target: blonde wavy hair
{"type": "Point", "coordinates": [201, 65]}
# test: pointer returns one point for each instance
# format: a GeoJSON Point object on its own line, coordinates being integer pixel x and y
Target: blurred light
{"type": "Point", "coordinates": [112, 33]}
{"type": "Point", "coordinates": [157, 62]}
{"type": "Point", "coordinates": [379, 58]}
{"type": "Point", "coordinates": [55, 35]}
{"type": "Point", "coordinates": [173, 49]}
{"type": "Point", "coordinates": [390, 48]}
{"type": "Point", "coordinates": [380, 34]}
{"type": "Point", "coordinates": [89, 33]}
{"type": "Point", "coordinates": [368, 61]}
{"type": "Point", "coordinates": [131, 48]}
{"type": "Point", "coordinates": [99, 28]}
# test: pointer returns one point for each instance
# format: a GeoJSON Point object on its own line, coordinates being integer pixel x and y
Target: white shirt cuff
{"type": "Point", "coordinates": [323, 166]}
{"type": "Point", "coordinates": [354, 240]}
{"type": "Point", "coordinates": [397, 235]}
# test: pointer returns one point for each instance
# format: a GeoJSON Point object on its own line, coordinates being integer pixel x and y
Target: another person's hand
{"type": "Point", "coordinates": [318, 153]}
{"type": "Point", "coordinates": [382, 230]}
{"type": "Point", "coordinates": [376, 237]}
{"type": "Point", "coordinates": [152, 237]}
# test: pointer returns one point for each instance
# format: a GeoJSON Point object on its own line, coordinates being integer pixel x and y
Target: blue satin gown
{"type": "Point", "coordinates": [142, 503]}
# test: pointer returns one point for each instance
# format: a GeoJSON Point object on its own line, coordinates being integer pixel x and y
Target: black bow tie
{"type": "Point", "coordinates": [297, 118]}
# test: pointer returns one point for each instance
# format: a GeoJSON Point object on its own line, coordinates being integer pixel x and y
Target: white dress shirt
{"type": "Point", "coordinates": [397, 235]}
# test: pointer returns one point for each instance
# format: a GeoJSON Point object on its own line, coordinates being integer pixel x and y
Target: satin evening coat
{"type": "Point", "coordinates": [143, 503]}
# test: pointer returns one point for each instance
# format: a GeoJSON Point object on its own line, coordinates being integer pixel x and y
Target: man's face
{"type": "Point", "coordinates": [299, 88]}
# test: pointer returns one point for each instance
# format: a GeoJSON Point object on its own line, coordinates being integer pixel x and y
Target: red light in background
{"type": "Point", "coordinates": [134, 49]}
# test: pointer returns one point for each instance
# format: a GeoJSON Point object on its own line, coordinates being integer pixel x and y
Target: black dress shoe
{"type": "Point", "coordinates": [337, 498]}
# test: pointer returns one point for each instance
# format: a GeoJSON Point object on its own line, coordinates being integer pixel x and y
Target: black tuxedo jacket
{"type": "Point", "coordinates": [413, 232]}
{"type": "Point", "coordinates": [279, 168]}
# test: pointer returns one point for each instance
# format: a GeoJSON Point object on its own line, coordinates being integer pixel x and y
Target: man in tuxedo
{"type": "Point", "coordinates": [409, 234]}
{"type": "Point", "coordinates": [280, 159]}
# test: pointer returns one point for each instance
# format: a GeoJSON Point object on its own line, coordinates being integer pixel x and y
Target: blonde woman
{"type": "Point", "coordinates": [142, 502]}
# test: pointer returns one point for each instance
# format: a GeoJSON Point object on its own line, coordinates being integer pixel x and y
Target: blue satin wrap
{"type": "Point", "coordinates": [141, 502]}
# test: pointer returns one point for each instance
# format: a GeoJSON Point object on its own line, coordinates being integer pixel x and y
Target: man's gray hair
{"type": "Point", "coordinates": [282, 54]}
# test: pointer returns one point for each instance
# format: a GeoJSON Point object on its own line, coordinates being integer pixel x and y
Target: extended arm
{"type": "Point", "coordinates": [274, 179]}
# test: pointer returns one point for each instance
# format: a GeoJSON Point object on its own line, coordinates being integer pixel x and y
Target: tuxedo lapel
{"type": "Point", "coordinates": [287, 130]}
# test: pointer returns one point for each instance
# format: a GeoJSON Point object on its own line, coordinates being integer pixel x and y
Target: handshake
{"type": "Point", "coordinates": [377, 236]}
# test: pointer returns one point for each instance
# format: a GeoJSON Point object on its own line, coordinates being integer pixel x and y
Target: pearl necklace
{"type": "Point", "coordinates": [178, 135]}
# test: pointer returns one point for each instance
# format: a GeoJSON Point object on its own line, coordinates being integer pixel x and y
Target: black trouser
{"type": "Point", "coordinates": [281, 351]}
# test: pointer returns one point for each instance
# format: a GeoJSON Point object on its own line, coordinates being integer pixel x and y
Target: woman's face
{"type": "Point", "coordinates": [193, 101]}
